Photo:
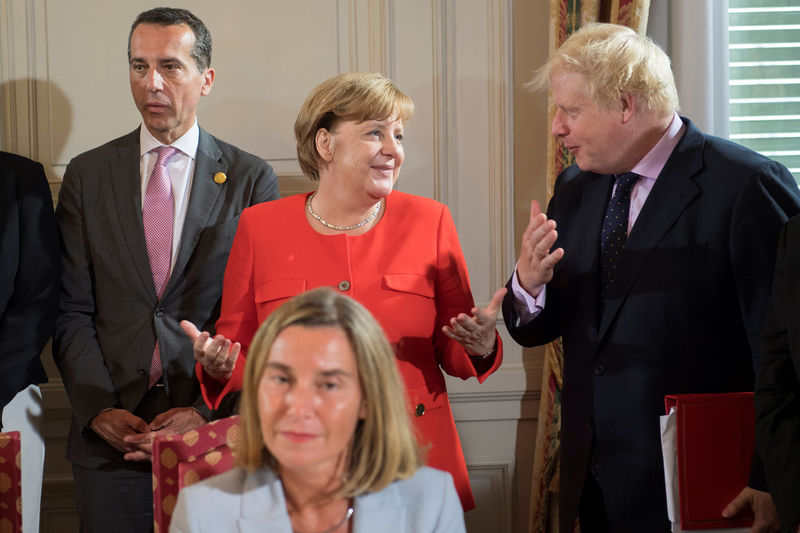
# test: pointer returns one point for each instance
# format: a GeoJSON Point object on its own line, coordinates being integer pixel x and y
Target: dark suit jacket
{"type": "Point", "coordinates": [686, 314]}
{"type": "Point", "coordinates": [29, 270]}
{"type": "Point", "coordinates": [777, 395]}
{"type": "Point", "coordinates": [110, 315]}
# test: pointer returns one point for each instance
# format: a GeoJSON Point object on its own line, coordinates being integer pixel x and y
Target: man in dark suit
{"type": "Point", "coordinates": [29, 270]}
{"type": "Point", "coordinates": [131, 273]}
{"type": "Point", "coordinates": [777, 395]}
{"type": "Point", "coordinates": [657, 277]}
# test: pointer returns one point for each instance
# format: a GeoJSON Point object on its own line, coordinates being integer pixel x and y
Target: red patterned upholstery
{"type": "Point", "coordinates": [180, 460]}
{"type": "Point", "coordinates": [10, 483]}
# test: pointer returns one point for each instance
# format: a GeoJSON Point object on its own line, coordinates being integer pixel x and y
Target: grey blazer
{"type": "Point", "coordinates": [250, 503]}
{"type": "Point", "coordinates": [110, 316]}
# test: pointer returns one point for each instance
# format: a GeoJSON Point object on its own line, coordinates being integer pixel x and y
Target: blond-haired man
{"type": "Point", "coordinates": [653, 262]}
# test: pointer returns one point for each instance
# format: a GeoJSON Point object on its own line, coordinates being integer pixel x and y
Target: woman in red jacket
{"type": "Point", "coordinates": [395, 253]}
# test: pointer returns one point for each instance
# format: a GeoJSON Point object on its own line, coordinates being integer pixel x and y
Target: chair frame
{"type": "Point", "coordinates": [183, 459]}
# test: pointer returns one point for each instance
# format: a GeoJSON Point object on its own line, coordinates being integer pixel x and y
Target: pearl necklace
{"type": "Point", "coordinates": [342, 228]}
{"type": "Point", "coordinates": [347, 516]}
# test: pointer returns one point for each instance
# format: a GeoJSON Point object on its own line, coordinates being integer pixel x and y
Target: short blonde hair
{"type": "Point", "coordinates": [615, 60]}
{"type": "Point", "coordinates": [384, 447]}
{"type": "Point", "coordinates": [355, 96]}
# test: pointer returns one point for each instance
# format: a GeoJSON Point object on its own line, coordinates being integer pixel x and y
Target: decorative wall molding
{"type": "Point", "coordinates": [493, 482]}
{"type": "Point", "coordinates": [381, 33]}
{"type": "Point", "coordinates": [58, 507]}
{"type": "Point", "coordinates": [444, 98]}
{"type": "Point", "coordinates": [17, 71]}
{"type": "Point", "coordinates": [501, 199]}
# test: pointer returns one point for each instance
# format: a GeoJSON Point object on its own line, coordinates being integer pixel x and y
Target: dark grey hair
{"type": "Point", "coordinates": [172, 16]}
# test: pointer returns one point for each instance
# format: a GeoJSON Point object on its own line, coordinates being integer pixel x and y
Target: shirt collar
{"type": "Point", "coordinates": [186, 143]}
{"type": "Point", "coordinates": [654, 161]}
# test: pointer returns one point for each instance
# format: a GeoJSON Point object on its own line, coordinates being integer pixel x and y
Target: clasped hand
{"type": "Point", "coordinates": [132, 436]}
{"type": "Point", "coordinates": [217, 355]}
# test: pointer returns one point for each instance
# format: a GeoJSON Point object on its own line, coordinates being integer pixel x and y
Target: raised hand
{"type": "Point", "coordinates": [536, 261]}
{"type": "Point", "coordinates": [476, 332]}
{"type": "Point", "coordinates": [217, 355]}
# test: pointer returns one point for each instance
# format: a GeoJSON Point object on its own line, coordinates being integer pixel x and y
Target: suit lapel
{"type": "Point", "coordinates": [585, 244]}
{"type": "Point", "coordinates": [263, 504]}
{"type": "Point", "coordinates": [673, 191]}
{"type": "Point", "coordinates": [594, 200]}
{"type": "Point", "coordinates": [202, 200]}
{"type": "Point", "coordinates": [8, 195]}
{"type": "Point", "coordinates": [126, 183]}
{"type": "Point", "coordinates": [380, 511]}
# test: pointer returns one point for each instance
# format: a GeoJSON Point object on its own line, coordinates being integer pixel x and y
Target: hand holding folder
{"type": "Point", "coordinates": [715, 442]}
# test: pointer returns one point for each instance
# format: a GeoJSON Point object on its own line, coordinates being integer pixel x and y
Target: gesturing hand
{"type": "Point", "coordinates": [217, 355]}
{"type": "Point", "coordinates": [476, 333]}
{"type": "Point", "coordinates": [536, 261]}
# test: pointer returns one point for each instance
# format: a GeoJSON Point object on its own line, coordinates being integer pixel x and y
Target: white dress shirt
{"type": "Point", "coordinates": [180, 169]}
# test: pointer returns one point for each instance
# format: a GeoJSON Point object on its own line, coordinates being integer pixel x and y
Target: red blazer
{"type": "Point", "coordinates": [408, 271]}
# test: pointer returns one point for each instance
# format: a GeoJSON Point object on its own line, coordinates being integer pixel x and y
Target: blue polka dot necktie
{"type": "Point", "coordinates": [615, 231]}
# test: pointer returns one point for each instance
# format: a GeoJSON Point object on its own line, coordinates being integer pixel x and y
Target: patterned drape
{"type": "Point", "coordinates": [566, 16]}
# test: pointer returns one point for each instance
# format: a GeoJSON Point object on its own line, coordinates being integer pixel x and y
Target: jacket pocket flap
{"type": "Point", "coordinates": [276, 289]}
{"type": "Point", "coordinates": [412, 283]}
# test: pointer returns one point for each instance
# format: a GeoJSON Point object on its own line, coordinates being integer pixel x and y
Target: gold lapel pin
{"type": "Point", "coordinates": [220, 178]}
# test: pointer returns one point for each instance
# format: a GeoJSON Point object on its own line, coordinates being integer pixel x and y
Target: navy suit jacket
{"type": "Point", "coordinates": [685, 314]}
{"type": "Point", "coordinates": [29, 270]}
{"type": "Point", "coordinates": [777, 394]}
{"type": "Point", "coordinates": [110, 315]}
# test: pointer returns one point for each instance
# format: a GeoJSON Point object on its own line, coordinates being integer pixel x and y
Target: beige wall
{"type": "Point", "coordinates": [476, 143]}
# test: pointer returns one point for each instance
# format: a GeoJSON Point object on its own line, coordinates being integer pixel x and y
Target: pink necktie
{"type": "Point", "coordinates": [158, 211]}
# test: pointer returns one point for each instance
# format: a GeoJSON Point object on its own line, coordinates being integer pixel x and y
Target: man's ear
{"type": "Point", "coordinates": [628, 107]}
{"type": "Point", "coordinates": [208, 81]}
{"type": "Point", "coordinates": [324, 143]}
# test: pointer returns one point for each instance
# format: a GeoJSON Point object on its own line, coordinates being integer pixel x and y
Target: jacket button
{"type": "Point", "coordinates": [344, 285]}
{"type": "Point", "coordinates": [420, 410]}
{"type": "Point", "coordinates": [599, 370]}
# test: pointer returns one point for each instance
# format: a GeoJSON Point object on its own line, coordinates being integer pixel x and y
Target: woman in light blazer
{"type": "Point", "coordinates": [326, 445]}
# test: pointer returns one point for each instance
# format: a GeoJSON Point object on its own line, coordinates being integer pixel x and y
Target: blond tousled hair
{"type": "Point", "coordinates": [384, 447]}
{"type": "Point", "coordinates": [614, 61]}
{"type": "Point", "coordinates": [356, 96]}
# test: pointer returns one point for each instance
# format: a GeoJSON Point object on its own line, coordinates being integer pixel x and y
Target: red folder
{"type": "Point", "coordinates": [716, 441]}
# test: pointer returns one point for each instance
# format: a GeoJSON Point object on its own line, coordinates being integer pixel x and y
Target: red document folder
{"type": "Point", "coordinates": [716, 441]}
